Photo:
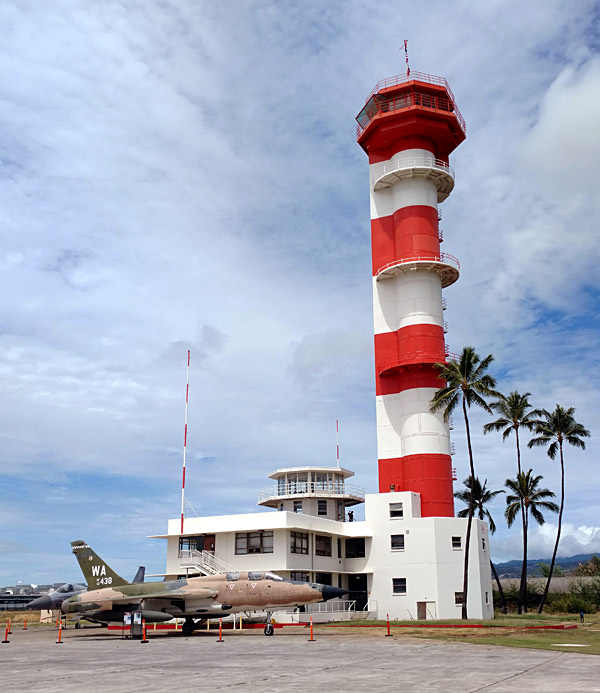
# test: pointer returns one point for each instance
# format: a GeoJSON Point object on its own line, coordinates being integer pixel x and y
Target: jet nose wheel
{"type": "Point", "coordinates": [269, 630]}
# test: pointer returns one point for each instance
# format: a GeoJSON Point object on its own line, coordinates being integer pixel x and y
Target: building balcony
{"type": "Point", "coordinates": [447, 266]}
{"type": "Point", "coordinates": [315, 489]}
{"type": "Point", "coordinates": [439, 172]}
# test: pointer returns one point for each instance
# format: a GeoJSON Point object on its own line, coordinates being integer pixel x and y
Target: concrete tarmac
{"type": "Point", "coordinates": [93, 660]}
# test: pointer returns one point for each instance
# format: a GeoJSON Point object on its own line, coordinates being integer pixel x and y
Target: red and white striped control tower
{"type": "Point", "coordinates": [409, 126]}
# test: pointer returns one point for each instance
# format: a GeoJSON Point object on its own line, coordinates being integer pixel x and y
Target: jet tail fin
{"type": "Point", "coordinates": [97, 574]}
{"type": "Point", "coordinates": [139, 576]}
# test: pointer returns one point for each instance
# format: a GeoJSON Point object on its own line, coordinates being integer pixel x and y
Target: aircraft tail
{"type": "Point", "coordinates": [94, 569]}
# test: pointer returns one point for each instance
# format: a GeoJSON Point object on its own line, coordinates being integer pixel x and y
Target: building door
{"type": "Point", "coordinates": [209, 542]}
{"type": "Point", "coordinates": [357, 586]}
{"type": "Point", "coordinates": [426, 610]}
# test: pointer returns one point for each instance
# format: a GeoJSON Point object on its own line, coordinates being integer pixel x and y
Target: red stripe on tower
{"type": "Point", "coordinates": [409, 126]}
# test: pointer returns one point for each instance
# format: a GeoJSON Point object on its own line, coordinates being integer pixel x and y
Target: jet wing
{"type": "Point", "coordinates": [129, 595]}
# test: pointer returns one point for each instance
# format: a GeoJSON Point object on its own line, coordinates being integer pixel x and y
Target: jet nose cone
{"type": "Point", "coordinates": [43, 602]}
{"type": "Point", "coordinates": [330, 592]}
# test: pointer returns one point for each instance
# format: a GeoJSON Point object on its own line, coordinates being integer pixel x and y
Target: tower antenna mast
{"type": "Point", "coordinates": [337, 441]}
{"type": "Point", "coordinates": [187, 399]}
{"type": "Point", "coordinates": [406, 56]}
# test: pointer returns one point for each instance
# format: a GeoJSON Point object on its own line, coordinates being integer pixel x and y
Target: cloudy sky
{"type": "Point", "coordinates": [184, 174]}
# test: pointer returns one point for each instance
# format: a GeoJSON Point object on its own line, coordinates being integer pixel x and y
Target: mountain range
{"type": "Point", "coordinates": [512, 569]}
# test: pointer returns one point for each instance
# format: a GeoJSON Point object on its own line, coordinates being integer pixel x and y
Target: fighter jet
{"type": "Point", "coordinates": [196, 599]}
{"type": "Point", "coordinates": [53, 600]}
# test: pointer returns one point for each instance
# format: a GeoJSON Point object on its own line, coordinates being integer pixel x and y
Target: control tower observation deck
{"type": "Point", "coordinates": [408, 126]}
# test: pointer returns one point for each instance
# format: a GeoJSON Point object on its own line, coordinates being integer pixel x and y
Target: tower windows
{"type": "Point", "coordinates": [299, 542]}
{"type": "Point", "coordinates": [457, 543]}
{"type": "Point", "coordinates": [322, 507]}
{"type": "Point", "coordinates": [399, 585]}
{"type": "Point", "coordinates": [355, 548]}
{"type": "Point", "coordinates": [298, 507]}
{"type": "Point", "coordinates": [396, 511]}
{"type": "Point", "coordinates": [254, 542]}
{"type": "Point", "coordinates": [458, 598]}
{"type": "Point", "coordinates": [397, 542]}
{"type": "Point", "coordinates": [322, 545]}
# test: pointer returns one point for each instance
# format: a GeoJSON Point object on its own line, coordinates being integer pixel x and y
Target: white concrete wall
{"type": "Point", "coordinates": [405, 426]}
{"type": "Point", "coordinates": [413, 298]}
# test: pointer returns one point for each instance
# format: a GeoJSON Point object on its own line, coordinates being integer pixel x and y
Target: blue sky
{"type": "Point", "coordinates": [184, 174]}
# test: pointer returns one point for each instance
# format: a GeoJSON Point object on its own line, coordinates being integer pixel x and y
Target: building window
{"type": "Point", "coordinates": [355, 548]}
{"type": "Point", "coordinates": [396, 511]}
{"type": "Point", "coordinates": [339, 510]}
{"type": "Point", "coordinates": [457, 542]}
{"type": "Point", "coordinates": [191, 543]}
{"type": "Point", "coordinates": [322, 545]}
{"type": "Point", "coordinates": [299, 576]}
{"type": "Point", "coordinates": [322, 507]}
{"type": "Point", "coordinates": [483, 543]}
{"type": "Point", "coordinates": [397, 542]}
{"type": "Point", "coordinates": [339, 543]}
{"type": "Point", "coordinates": [458, 598]}
{"type": "Point", "coordinates": [299, 542]}
{"type": "Point", "coordinates": [254, 542]}
{"type": "Point", "coordinates": [399, 585]}
{"type": "Point", "coordinates": [323, 578]}
{"type": "Point", "coordinates": [487, 597]}
{"type": "Point", "coordinates": [298, 507]}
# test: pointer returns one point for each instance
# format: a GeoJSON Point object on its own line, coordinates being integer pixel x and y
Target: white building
{"type": "Point", "coordinates": [394, 562]}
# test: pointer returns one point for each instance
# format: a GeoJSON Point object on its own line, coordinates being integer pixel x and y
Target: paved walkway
{"type": "Point", "coordinates": [92, 660]}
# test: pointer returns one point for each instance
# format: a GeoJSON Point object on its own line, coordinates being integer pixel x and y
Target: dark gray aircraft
{"type": "Point", "coordinates": [196, 599]}
{"type": "Point", "coordinates": [54, 600]}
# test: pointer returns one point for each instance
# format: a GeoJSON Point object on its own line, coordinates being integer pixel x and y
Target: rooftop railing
{"type": "Point", "coordinates": [336, 488]}
{"type": "Point", "coordinates": [442, 258]}
{"type": "Point", "coordinates": [409, 164]}
{"type": "Point", "coordinates": [377, 105]}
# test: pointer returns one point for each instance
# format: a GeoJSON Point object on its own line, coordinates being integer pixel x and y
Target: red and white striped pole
{"type": "Point", "coordinates": [187, 399]}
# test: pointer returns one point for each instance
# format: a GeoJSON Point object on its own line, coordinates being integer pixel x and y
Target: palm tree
{"type": "Point", "coordinates": [526, 494]}
{"type": "Point", "coordinates": [481, 497]}
{"type": "Point", "coordinates": [515, 413]}
{"type": "Point", "coordinates": [556, 428]}
{"type": "Point", "coordinates": [467, 382]}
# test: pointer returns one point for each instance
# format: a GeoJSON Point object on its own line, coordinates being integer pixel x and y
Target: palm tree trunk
{"type": "Point", "coordinates": [500, 590]}
{"type": "Point", "coordinates": [523, 594]}
{"type": "Point", "coordinates": [470, 516]}
{"type": "Point", "coordinates": [523, 585]}
{"type": "Point", "coordinates": [560, 513]}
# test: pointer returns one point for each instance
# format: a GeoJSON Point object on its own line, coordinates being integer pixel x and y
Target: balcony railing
{"type": "Point", "coordinates": [313, 487]}
{"type": "Point", "coordinates": [443, 258]}
{"type": "Point", "coordinates": [437, 169]}
{"type": "Point", "coordinates": [374, 105]}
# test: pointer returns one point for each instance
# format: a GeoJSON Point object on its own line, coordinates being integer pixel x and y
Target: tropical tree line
{"type": "Point", "coordinates": [468, 383]}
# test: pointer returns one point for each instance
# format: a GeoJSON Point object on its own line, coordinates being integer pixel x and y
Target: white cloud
{"type": "Point", "coordinates": [540, 544]}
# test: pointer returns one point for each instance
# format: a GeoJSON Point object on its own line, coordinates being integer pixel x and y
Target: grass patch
{"type": "Point", "coordinates": [510, 630]}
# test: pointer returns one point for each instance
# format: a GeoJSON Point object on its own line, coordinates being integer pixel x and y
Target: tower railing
{"type": "Point", "coordinates": [444, 258]}
{"type": "Point", "coordinates": [392, 103]}
{"type": "Point", "coordinates": [411, 76]}
{"type": "Point", "coordinates": [427, 163]}
{"type": "Point", "coordinates": [337, 488]}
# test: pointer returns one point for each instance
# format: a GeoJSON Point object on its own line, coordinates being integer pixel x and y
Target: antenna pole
{"type": "Point", "coordinates": [337, 441]}
{"type": "Point", "coordinates": [187, 393]}
{"type": "Point", "coordinates": [406, 55]}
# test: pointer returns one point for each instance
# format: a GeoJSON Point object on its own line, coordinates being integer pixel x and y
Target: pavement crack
{"type": "Point", "coordinates": [518, 673]}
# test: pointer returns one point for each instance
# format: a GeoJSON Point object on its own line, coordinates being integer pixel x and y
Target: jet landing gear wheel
{"type": "Point", "coordinates": [77, 624]}
{"type": "Point", "coordinates": [188, 627]}
{"type": "Point", "coordinates": [269, 630]}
